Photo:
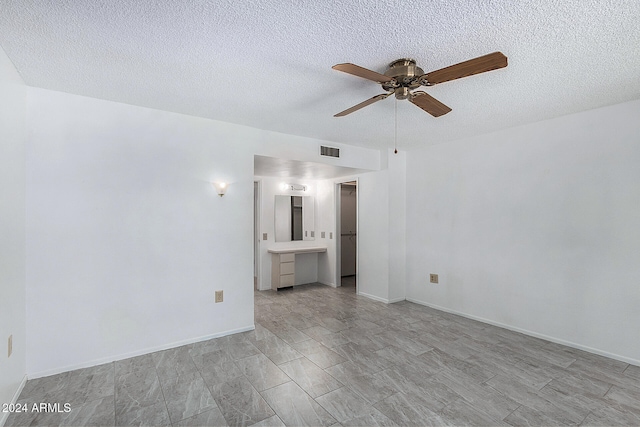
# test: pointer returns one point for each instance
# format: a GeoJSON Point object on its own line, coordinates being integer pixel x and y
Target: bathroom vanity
{"type": "Point", "coordinates": [283, 265]}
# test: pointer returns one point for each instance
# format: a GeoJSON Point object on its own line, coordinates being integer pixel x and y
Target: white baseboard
{"type": "Point", "coordinates": [16, 395]}
{"type": "Point", "coordinates": [531, 333]}
{"type": "Point", "coordinates": [110, 359]}
{"type": "Point", "coordinates": [373, 297]}
{"type": "Point", "coordinates": [384, 300]}
{"type": "Point", "coordinates": [333, 285]}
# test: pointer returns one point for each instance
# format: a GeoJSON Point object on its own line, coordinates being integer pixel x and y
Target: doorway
{"type": "Point", "coordinates": [348, 233]}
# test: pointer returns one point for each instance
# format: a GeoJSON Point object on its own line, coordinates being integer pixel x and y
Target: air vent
{"type": "Point", "coordinates": [329, 151]}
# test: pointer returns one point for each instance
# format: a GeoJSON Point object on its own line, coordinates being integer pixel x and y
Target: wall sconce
{"type": "Point", "coordinates": [221, 188]}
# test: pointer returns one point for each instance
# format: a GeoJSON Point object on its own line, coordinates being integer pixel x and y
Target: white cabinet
{"type": "Point", "coordinates": [283, 269]}
{"type": "Point", "coordinates": [283, 265]}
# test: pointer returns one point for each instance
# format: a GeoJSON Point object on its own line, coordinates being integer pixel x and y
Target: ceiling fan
{"type": "Point", "coordinates": [404, 75]}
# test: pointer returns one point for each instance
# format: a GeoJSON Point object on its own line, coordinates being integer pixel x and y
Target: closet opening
{"type": "Point", "coordinates": [348, 234]}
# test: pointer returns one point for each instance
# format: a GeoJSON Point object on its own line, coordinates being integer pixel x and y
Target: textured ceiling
{"type": "Point", "coordinates": [267, 63]}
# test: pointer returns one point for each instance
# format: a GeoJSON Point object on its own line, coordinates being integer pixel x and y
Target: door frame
{"type": "Point", "coordinates": [257, 221]}
{"type": "Point", "coordinates": [337, 189]}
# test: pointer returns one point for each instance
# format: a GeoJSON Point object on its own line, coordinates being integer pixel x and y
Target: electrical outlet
{"type": "Point", "coordinates": [219, 296]}
{"type": "Point", "coordinates": [322, 234]}
{"type": "Point", "coordinates": [433, 278]}
{"type": "Point", "coordinates": [264, 236]}
{"type": "Point", "coordinates": [331, 234]}
{"type": "Point", "coordinates": [10, 346]}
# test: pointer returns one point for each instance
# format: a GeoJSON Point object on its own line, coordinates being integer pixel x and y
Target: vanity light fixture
{"type": "Point", "coordinates": [297, 187]}
{"type": "Point", "coordinates": [221, 188]}
{"type": "Point", "coordinates": [293, 187]}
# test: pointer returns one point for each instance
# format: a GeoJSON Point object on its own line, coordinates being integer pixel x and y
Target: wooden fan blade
{"type": "Point", "coordinates": [359, 71]}
{"type": "Point", "coordinates": [363, 104]}
{"type": "Point", "coordinates": [429, 104]}
{"type": "Point", "coordinates": [478, 65]}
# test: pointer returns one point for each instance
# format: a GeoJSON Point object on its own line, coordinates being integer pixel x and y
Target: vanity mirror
{"type": "Point", "coordinates": [294, 218]}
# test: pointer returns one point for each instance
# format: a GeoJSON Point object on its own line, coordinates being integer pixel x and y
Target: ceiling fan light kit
{"type": "Point", "coordinates": [404, 76]}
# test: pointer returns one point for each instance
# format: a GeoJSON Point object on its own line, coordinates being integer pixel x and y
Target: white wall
{"type": "Point", "coordinates": [126, 238]}
{"type": "Point", "coordinates": [279, 145]}
{"type": "Point", "coordinates": [326, 221]}
{"type": "Point", "coordinates": [397, 225]}
{"type": "Point", "coordinates": [382, 230]}
{"type": "Point", "coordinates": [535, 227]}
{"type": "Point", "coordinates": [373, 235]}
{"type": "Point", "coordinates": [12, 229]}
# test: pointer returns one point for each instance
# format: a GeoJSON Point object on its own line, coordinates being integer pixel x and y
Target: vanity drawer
{"type": "Point", "coordinates": [286, 280]}
{"type": "Point", "coordinates": [287, 268]}
{"type": "Point", "coordinates": [287, 257]}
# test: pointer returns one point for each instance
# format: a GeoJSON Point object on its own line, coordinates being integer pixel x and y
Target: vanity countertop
{"type": "Point", "coordinates": [297, 250]}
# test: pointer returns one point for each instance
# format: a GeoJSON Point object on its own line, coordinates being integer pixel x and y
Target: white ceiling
{"type": "Point", "coordinates": [267, 63]}
{"type": "Point", "coordinates": [285, 168]}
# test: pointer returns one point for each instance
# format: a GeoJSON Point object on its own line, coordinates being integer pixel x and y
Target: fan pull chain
{"type": "Point", "coordinates": [395, 139]}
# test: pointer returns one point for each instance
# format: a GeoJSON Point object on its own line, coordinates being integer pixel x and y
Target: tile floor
{"type": "Point", "coordinates": [321, 356]}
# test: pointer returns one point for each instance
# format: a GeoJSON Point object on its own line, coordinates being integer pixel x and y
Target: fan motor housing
{"type": "Point", "coordinates": [404, 71]}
